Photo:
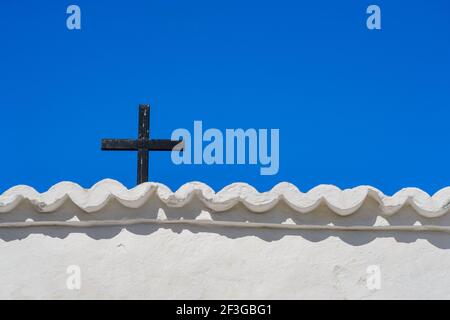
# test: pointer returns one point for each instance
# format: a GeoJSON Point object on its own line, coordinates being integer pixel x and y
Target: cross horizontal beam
{"type": "Point", "coordinates": [132, 144]}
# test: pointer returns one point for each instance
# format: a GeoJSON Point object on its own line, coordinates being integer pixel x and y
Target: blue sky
{"type": "Point", "coordinates": [353, 106]}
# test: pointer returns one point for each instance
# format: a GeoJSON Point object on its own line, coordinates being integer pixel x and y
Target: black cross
{"type": "Point", "coordinates": [143, 144]}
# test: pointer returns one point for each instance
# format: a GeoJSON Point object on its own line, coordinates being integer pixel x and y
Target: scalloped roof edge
{"type": "Point", "coordinates": [342, 202]}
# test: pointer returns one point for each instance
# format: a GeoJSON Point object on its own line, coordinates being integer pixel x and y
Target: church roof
{"type": "Point", "coordinates": [341, 202]}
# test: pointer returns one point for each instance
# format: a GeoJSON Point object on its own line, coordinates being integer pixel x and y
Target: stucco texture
{"type": "Point", "coordinates": [197, 260]}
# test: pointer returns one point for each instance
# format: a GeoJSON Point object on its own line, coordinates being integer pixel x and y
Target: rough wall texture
{"type": "Point", "coordinates": [152, 243]}
{"type": "Point", "coordinates": [158, 251]}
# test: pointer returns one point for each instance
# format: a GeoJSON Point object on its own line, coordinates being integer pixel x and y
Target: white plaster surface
{"type": "Point", "coordinates": [158, 251]}
{"type": "Point", "coordinates": [210, 265]}
{"type": "Point", "coordinates": [341, 202]}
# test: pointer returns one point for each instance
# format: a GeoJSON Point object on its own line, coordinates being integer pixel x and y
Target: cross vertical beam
{"type": "Point", "coordinates": [143, 137]}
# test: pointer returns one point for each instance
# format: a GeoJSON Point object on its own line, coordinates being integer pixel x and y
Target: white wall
{"type": "Point", "coordinates": [196, 261]}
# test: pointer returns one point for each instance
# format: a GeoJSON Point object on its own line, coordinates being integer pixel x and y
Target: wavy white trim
{"type": "Point", "coordinates": [342, 202]}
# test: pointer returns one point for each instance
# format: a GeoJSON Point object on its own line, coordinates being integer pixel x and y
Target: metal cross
{"type": "Point", "coordinates": [143, 144]}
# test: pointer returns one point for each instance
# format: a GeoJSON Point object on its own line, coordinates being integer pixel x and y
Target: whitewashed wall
{"type": "Point", "coordinates": [236, 254]}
